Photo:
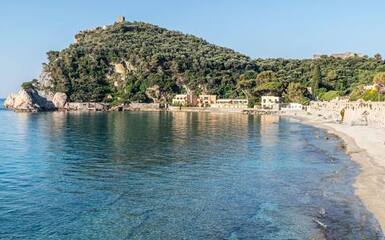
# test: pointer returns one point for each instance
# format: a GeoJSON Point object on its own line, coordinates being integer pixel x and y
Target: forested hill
{"type": "Point", "coordinates": [135, 61]}
{"type": "Point", "coordinates": [124, 60]}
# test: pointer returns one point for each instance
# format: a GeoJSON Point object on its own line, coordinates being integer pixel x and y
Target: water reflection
{"type": "Point", "coordinates": [269, 129]}
{"type": "Point", "coordinates": [172, 175]}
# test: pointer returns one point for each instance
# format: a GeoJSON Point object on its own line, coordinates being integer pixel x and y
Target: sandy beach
{"type": "Point", "coordinates": [366, 146]}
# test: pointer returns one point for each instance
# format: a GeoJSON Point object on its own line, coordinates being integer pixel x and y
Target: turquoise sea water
{"type": "Point", "coordinates": [174, 176]}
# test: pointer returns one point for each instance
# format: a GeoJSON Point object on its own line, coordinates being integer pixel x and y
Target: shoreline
{"type": "Point", "coordinates": [365, 146]}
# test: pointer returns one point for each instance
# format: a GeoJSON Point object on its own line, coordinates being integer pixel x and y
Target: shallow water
{"type": "Point", "coordinates": [174, 175]}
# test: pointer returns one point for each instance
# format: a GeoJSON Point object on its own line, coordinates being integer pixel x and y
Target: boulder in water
{"type": "Point", "coordinates": [28, 100]}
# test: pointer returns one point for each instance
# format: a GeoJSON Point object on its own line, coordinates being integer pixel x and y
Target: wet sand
{"type": "Point", "coordinates": [366, 146]}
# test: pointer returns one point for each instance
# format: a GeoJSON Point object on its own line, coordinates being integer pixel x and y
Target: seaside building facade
{"type": "Point", "coordinates": [293, 107]}
{"type": "Point", "coordinates": [205, 100]}
{"type": "Point", "coordinates": [231, 103]}
{"type": "Point", "coordinates": [180, 100]}
{"type": "Point", "coordinates": [185, 100]}
{"type": "Point", "coordinates": [270, 102]}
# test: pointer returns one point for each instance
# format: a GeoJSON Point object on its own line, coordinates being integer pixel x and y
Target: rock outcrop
{"type": "Point", "coordinates": [59, 100]}
{"type": "Point", "coordinates": [29, 100]}
{"type": "Point", "coordinates": [45, 78]}
{"type": "Point", "coordinates": [21, 101]}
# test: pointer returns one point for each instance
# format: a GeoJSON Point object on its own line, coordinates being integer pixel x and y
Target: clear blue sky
{"type": "Point", "coordinates": [258, 28]}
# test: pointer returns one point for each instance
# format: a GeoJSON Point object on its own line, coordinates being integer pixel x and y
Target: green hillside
{"type": "Point", "coordinates": [135, 61]}
{"type": "Point", "coordinates": [123, 60]}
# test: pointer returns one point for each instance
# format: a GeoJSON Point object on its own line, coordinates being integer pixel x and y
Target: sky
{"type": "Point", "coordinates": [257, 28]}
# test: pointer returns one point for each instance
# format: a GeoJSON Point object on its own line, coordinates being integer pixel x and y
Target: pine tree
{"type": "Point", "coordinates": [316, 79]}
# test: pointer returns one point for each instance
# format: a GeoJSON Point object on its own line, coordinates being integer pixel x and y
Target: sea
{"type": "Point", "coordinates": [175, 175]}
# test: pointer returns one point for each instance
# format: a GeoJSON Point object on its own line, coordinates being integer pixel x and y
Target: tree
{"type": "Point", "coordinates": [266, 76]}
{"type": "Point", "coordinates": [270, 88]}
{"type": "Point", "coordinates": [30, 84]}
{"type": "Point", "coordinates": [378, 57]}
{"type": "Point", "coordinates": [316, 79]}
{"type": "Point", "coordinates": [296, 93]}
{"type": "Point", "coordinates": [331, 76]}
{"type": "Point", "coordinates": [246, 82]}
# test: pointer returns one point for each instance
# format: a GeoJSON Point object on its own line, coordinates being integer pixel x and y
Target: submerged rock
{"type": "Point", "coordinates": [29, 100]}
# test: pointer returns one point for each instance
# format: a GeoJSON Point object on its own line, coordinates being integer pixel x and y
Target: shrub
{"type": "Point", "coordinates": [357, 94]}
{"type": "Point", "coordinates": [30, 84]}
{"type": "Point", "coordinates": [373, 95]}
{"type": "Point", "coordinates": [328, 96]}
{"type": "Point", "coordinates": [379, 78]}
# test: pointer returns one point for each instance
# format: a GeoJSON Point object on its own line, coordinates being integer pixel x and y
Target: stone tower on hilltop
{"type": "Point", "coordinates": [120, 19]}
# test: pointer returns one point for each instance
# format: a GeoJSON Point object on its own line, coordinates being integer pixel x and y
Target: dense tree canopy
{"type": "Point", "coordinates": [149, 55]}
{"type": "Point", "coordinates": [339, 77]}
{"type": "Point", "coordinates": [121, 62]}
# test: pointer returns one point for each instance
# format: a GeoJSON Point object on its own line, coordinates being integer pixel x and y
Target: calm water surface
{"type": "Point", "coordinates": [174, 176]}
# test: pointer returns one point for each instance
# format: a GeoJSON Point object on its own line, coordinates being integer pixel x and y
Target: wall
{"type": "Point", "coordinates": [145, 106]}
{"type": "Point", "coordinates": [352, 113]}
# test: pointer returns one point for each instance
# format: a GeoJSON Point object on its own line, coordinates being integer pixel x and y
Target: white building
{"type": "Point", "coordinates": [231, 103]}
{"type": "Point", "coordinates": [293, 107]}
{"type": "Point", "coordinates": [270, 102]}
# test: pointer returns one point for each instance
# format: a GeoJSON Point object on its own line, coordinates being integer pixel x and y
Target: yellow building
{"type": "Point", "coordinates": [206, 100]}
{"type": "Point", "coordinates": [180, 100]}
{"type": "Point", "coordinates": [184, 100]}
{"type": "Point", "coordinates": [231, 103]}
